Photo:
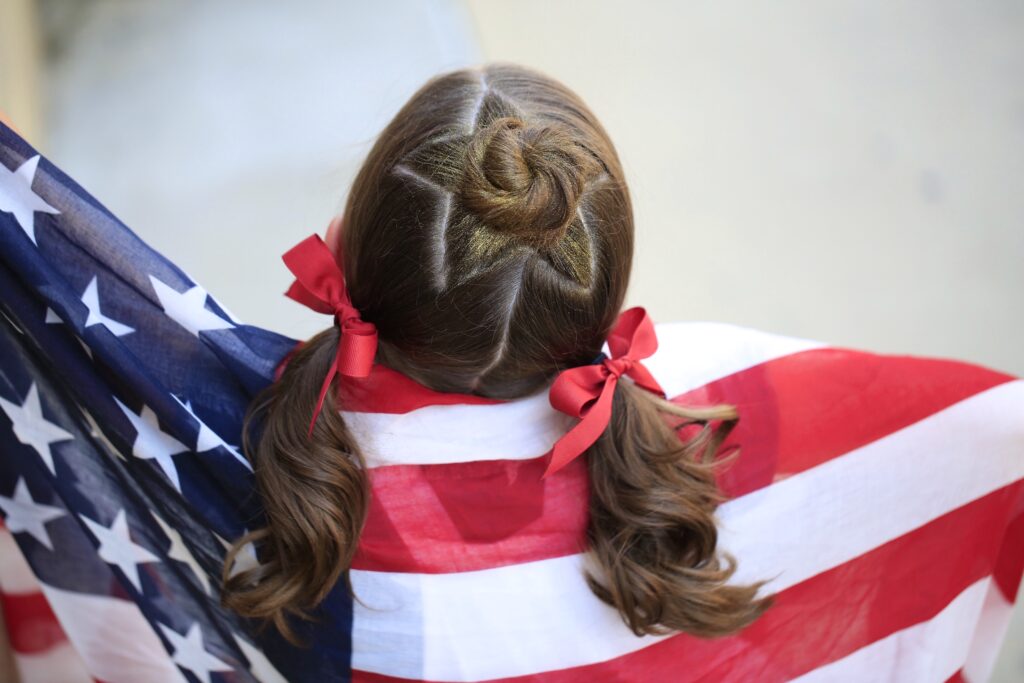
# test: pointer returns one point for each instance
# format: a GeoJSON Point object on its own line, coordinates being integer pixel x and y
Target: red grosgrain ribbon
{"type": "Point", "coordinates": [586, 392]}
{"type": "Point", "coordinates": [320, 285]}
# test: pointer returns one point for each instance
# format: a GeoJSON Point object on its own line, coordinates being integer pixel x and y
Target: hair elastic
{"type": "Point", "coordinates": [586, 392]}
{"type": "Point", "coordinates": [320, 285]}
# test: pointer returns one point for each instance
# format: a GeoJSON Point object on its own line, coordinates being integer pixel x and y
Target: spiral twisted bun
{"type": "Point", "coordinates": [525, 180]}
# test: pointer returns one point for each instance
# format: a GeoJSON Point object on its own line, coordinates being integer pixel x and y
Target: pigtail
{"type": "Point", "coordinates": [315, 492]}
{"type": "Point", "coordinates": [652, 531]}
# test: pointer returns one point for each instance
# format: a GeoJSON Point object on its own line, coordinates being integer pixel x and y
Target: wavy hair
{"type": "Point", "coordinates": [489, 237]}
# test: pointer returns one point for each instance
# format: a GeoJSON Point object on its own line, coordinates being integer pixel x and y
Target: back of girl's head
{"type": "Point", "coordinates": [489, 238]}
{"type": "Point", "coordinates": [489, 235]}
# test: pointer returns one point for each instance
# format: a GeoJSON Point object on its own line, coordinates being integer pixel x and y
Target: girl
{"type": "Point", "coordinates": [487, 245]}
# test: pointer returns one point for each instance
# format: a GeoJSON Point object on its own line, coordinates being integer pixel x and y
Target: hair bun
{"type": "Point", "coordinates": [525, 180]}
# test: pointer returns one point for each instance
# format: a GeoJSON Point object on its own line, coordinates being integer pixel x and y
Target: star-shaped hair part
{"type": "Point", "coordinates": [466, 246]}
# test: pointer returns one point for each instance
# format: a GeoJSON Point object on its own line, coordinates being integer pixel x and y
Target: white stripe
{"type": "Point", "coordinates": [112, 637]}
{"type": "Point", "coordinates": [928, 652]}
{"type": "Point", "coordinates": [60, 663]}
{"type": "Point", "coordinates": [989, 635]}
{"type": "Point", "coordinates": [516, 430]}
{"type": "Point", "coordinates": [540, 616]}
{"type": "Point", "coordinates": [474, 626]}
{"type": "Point", "coordinates": [16, 576]}
{"type": "Point", "coordinates": [880, 491]}
{"type": "Point", "coordinates": [690, 354]}
{"type": "Point", "coordinates": [116, 641]}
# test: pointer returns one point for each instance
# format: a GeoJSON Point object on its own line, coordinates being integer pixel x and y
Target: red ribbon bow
{"type": "Point", "coordinates": [320, 285]}
{"type": "Point", "coordinates": [587, 391]}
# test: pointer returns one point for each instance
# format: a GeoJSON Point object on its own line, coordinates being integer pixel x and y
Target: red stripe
{"type": "Point", "coordinates": [895, 586]}
{"type": "Point", "coordinates": [31, 624]}
{"type": "Point", "coordinates": [796, 412]}
{"type": "Point", "coordinates": [1010, 566]}
{"type": "Point", "coordinates": [385, 390]}
{"type": "Point", "coordinates": [389, 391]}
{"type": "Point", "coordinates": [958, 677]}
{"type": "Point", "coordinates": [801, 410]}
{"type": "Point", "coordinates": [466, 516]}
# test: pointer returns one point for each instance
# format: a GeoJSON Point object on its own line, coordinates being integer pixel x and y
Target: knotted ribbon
{"type": "Point", "coordinates": [587, 391]}
{"type": "Point", "coordinates": [320, 285]}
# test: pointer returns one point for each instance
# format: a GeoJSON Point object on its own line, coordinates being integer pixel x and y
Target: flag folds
{"type": "Point", "coordinates": [882, 494]}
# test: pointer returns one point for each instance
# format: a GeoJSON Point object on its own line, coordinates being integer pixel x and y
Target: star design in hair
{"type": "Point", "coordinates": [437, 166]}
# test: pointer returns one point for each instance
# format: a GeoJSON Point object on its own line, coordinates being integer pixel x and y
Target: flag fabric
{"type": "Point", "coordinates": [883, 495]}
{"type": "Point", "coordinates": [122, 389]}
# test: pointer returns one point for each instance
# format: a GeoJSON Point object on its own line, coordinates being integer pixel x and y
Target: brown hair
{"type": "Point", "coordinates": [489, 237]}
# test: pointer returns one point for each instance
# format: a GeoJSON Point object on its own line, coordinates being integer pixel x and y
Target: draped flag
{"type": "Point", "coordinates": [122, 388]}
{"type": "Point", "coordinates": [882, 494]}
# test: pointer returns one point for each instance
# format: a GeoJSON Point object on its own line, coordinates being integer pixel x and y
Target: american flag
{"type": "Point", "coordinates": [122, 388]}
{"type": "Point", "coordinates": [881, 493]}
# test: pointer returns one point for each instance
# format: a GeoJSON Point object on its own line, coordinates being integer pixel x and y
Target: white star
{"type": "Point", "coordinates": [24, 514]}
{"type": "Point", "coordinates": [207, 439]}
{"type": "Point", "coordinates": [246, 557]}
{"type": "Point", "coordinates": [17, 196]}
{"type": "Point", "coordinates": [190, 654]}
{"type": "Point", "coordinates": [188, 309]}
{"type": "Point", "coordinates": [152, 443]}
{"type": "Point", "coordinates": [91, 299]}
{"type": "Point", "coordinates": [32, 428]}
{"type": "Point", "coordinates": [117, 548]}
{"type": "Point", "coordinates": [231, 316]}
{"type": "Point", "coordinates": [52, 317]}
{"type": "Point", "coordinates": [259, 665]}
{"type": "Point", "coordinates": [180, 552]}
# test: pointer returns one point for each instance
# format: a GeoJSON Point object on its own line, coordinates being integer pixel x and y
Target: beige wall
{"type": "Point", "coordinates": [20, 66]}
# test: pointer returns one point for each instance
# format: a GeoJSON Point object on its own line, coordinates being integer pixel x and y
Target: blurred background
{"type": "Point", "coordinates": [848, 172]}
